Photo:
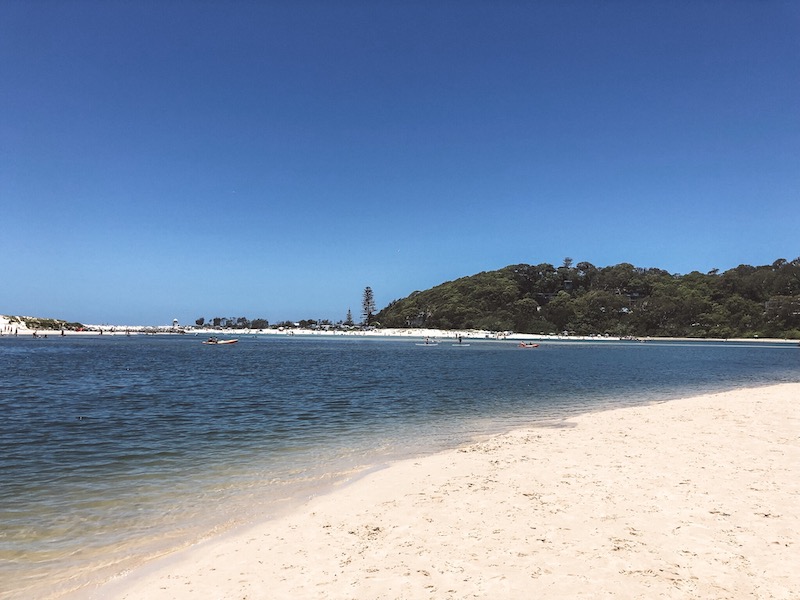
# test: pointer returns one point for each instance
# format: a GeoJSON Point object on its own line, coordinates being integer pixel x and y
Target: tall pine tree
{"type": "Point", "coordinates": [368, 306]}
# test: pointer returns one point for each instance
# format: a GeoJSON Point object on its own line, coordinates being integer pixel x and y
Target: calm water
{"type": "Point", "coordinates": [115, 449]}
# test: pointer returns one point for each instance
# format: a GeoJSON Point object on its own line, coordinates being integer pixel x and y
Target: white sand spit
{"type": "Point", "coordinates": [693, 498]}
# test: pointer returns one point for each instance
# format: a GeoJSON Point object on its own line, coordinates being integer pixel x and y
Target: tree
{"type": "Point", "coordinates": [597, 311]}
{"type": "Point", "coordinates": [525, 314]}
{"type": "Point", "coordinates": [559, 310]}
{"type": "Point", "coordinates": [783, 312]}
{"type": "Point", "coordinates": [619, 300]}
{"type": "Point", "coordinates": [368, 306]}
{"type": "Point", "coordinates": [349, 320]}
{"type": "Point", "coordinates": [199, 322]}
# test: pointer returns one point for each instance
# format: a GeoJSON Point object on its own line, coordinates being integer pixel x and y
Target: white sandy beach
{"type": "Point", "coordinates": [11, 327]}
{"type": "Point", "coordinates": [17, 329]}
{"type": "Point", "coordinates": [693, 498]}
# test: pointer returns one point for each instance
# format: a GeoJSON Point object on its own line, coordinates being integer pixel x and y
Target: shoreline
{"type": "Point", "coordinates": [693, 497]}
{"type": "Point", "coordinates": [12, 330]}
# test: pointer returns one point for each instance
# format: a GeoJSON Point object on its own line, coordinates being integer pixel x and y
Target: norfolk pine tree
{"type": "Point", "coordinates": [368, 306]}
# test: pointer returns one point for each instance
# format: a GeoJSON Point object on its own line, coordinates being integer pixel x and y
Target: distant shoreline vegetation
{"type": "Point", "coordinates": [42, 323]}
{"type": "Point", "coordinates": [573, 299]}
{"type": "Point", "coordinates": [620, 300]}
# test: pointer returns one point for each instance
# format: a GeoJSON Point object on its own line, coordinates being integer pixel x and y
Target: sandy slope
{"type": "Point", "coordinates": [694, 498]}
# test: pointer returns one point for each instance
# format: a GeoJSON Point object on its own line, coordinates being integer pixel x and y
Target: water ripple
{"type": "Point", "coordinates": [113, 449]}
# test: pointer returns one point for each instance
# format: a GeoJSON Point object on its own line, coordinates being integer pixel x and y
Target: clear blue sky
{"type": "Point", "coordinates": [164, 160]}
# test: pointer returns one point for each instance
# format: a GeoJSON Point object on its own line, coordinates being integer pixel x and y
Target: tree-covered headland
{"type": "Point", "coordinates": [619, 300]}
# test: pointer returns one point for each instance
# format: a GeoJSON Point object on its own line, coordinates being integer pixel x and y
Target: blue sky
{"type": "Point", "coordinates": [164, 160]}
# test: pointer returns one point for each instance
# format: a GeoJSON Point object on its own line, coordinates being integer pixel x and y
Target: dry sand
{"type": "Point", "coordinates": [693, 498]}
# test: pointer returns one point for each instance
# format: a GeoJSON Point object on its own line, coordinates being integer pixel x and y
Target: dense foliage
{"type": "Point", "coordinates": [232, 323]}
{"type": "Point", "coordinates": [620, 300]}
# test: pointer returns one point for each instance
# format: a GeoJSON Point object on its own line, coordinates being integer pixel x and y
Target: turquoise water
{"type": "Point", "coordinates": [116, 449]}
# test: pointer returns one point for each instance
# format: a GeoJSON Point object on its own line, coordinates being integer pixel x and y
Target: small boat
{"type": "Point", "coordinates": [216, 342]}
{"type": "Point", "coordinates": [524, 345]}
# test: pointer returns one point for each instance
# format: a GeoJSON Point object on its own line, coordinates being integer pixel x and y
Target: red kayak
{"type": "Point", "coordinates": [220, 342]}
{"type": "Point", "coordinates": [524, 345]}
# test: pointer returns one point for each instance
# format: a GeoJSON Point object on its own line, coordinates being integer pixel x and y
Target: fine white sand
{"type": "Point", "coordinates": [20, 328]}
{"type": "Point", "coordinates": [693, 498]}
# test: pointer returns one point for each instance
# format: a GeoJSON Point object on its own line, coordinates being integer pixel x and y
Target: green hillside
{"type": "Point", "coordinates": [620, 300]}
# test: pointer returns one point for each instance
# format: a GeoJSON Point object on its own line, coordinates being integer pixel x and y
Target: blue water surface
{"type": "Point", "coordinates": [115, 448]}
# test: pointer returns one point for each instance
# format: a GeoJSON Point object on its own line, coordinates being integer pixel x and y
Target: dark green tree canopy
{"type": "Point", "coordinates": [621, 299]}
{"type": "Point", "coordinates": [368, 306]}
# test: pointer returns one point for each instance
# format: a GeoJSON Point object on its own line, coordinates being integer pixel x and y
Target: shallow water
{"type": "Point", "coordinates": [115, 448]}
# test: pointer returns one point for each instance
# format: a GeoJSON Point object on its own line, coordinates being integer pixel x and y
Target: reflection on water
{"type": "Point", "coordinates": [114, 449]}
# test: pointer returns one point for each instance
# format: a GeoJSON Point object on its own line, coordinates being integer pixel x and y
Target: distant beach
{"type": "Point", "coordinates": [15, 328]}
{"type": "Point", "coordinates": [692, 498]}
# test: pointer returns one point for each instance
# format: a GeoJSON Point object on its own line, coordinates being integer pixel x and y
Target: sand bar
{"type": "Point", "coordinates": [693, 498]}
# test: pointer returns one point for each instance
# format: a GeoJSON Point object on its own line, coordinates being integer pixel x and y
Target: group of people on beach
{"type": "Point", "coordinates": [36, 334]}
{"type": "Point", "coordinates": [7, 331]}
